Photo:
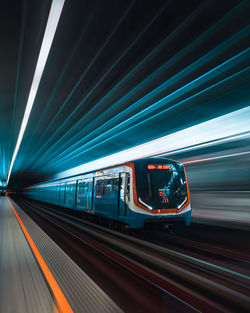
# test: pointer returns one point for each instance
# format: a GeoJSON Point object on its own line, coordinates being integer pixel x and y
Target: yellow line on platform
{"type": "Point", "coordinates": [60, 299]}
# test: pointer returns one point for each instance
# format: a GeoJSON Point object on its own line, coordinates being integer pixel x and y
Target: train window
{"type": "Point", "coordinates": [107, 187]}
{"type": "Point", "coordinates": [84, 193]}
{"type": "Point", "coordinates": [162, 189]}
{"type": "Point", "coordinates": [162, 186]}
{"type": "Point", "coordinates": [62, 193]}
{"type": "Point", "coordinates": [82, 188]}
{"type": "Point", "coordinates": [115, 185]}
{"type": "Point", "coordinates": [180, 186]}
{"type": "Point", "coordinates": [128, 187]}
{"type": "Point", "coordinates": [99, 188]}
{"type": "Point", "coordinates": [142, 185]}
{"type": "Point", "coordinates": [150, 193]}
{"type": "Point", "coordinates": [70, 193]}
{"type": "Point", "coordinates": [104, 187]}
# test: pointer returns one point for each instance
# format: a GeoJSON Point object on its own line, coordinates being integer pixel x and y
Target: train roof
{"type": "Point", "coordinates": [141, 163]}
{"type": "Point", "coordinates": [156, 160]}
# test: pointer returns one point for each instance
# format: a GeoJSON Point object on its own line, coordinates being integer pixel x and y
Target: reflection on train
{"type": "Point", "coordinates": [134, 194]}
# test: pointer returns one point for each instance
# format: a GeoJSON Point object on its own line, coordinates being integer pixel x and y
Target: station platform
{"type": "Point", "coordinates": [36, 275]}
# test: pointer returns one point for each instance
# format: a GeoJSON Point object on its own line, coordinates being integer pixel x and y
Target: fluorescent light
{"type": "Point", "coordinates": [221, 129]}
{"type": "Point", "coordinates": [54, 16]}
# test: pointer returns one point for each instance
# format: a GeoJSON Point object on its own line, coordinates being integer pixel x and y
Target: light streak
{"type": "Point", "coordinates": [215, 158]}
{"type": "Point", "coordinates": [77, 85]}
{"type": "Point", "coordinates": [53, 19]}
{"type": "Point", "coordinates": [74, 146]}
{"type": "Point", "coordinates": [221, 128]}
{"type": "Point", "coordinates": [76, 153]}
{"type": "Point", "coordinates": [208, 144]}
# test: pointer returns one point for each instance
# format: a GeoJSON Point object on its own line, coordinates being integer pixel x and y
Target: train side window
{"type": "Point", "coordinates": [82, 188]}
{"type": "Point", "coordinates": [128, 187]}
{"type": "Point", "coordinates": [104, 187]}
{"type": "Point", "coordinates": [99, 187]}
{"type": "Point", "coordinates": [115, 185]}
{"type": "Point", "coordinates": [70, 194]}
{"type": "Point", "coordinates": [62, 193]}
{"type": "Point", "coordinates": [107, 187]}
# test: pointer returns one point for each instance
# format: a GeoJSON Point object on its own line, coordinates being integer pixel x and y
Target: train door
{"type": "Point", "coordinates": [57, 194]}
{"type": "Point", "coordinates": [124, 196]}
{"type": "Point", "coordinates": [90, 188]}
{"type": "Point", "coordinates": [96, 194]}
{"type": "Point", "coordinates": [62, 194]}
{"type": "Point", "coordinates": [70, 194]}
{"type": "Point", "coordinates": [76, 191]}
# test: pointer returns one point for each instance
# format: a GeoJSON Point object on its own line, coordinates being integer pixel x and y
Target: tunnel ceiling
{"type": "Point", "coordinates": [119, 73]}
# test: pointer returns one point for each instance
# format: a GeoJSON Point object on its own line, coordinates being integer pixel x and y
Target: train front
{"type": "Point", "coordinates": [162, 191]}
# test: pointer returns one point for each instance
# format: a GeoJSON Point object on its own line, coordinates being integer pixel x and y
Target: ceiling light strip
{"type": "Point", "coordinates": [54, 16]}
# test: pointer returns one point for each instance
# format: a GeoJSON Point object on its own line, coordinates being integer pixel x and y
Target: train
{"type": "Point", "coordinates": [138, 194]}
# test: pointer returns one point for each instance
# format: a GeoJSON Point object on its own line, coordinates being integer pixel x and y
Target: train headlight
{"type": "Point", "coordinates": [146, 205]}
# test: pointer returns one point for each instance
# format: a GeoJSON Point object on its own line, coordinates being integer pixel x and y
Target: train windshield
{"type": "Point", "coordinates": [161, 189]}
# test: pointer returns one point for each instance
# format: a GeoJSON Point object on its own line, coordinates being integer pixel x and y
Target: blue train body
{"type": "Point", "coordinates": [136, 193]}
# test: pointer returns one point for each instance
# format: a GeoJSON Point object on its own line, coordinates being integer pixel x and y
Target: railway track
{"type": "Point", "coordinates": [192, 283]}
{"type": "Point", "coordinates": [234, 260]}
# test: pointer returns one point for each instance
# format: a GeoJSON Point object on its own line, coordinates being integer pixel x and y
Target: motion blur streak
{"type": "Point", "coordinates": [215, 158]}
{"type": "Point", "coordinates": [105, 121]}
{"type": "Point", "coordinates": [54, 16]}
{"type": "Point", "coordinates": [148, 113]}
{"type": "Point", "coordinates": [222, 128]}
{"type": "Point", "coordinates": [115, 131]}
{"type": "Point", "coordinates": [219, 183]}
